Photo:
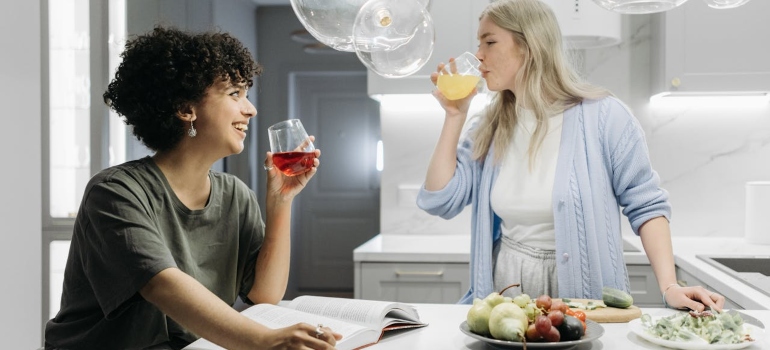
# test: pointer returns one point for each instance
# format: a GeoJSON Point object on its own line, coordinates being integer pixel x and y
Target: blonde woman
{"type": "Point", "coordinates": [546, 168]}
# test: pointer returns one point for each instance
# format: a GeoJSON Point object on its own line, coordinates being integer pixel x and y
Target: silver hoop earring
{"type": "Point", "coordinates": [192, 132]}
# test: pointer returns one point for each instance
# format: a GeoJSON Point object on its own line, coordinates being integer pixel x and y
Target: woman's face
{"type": "Point", "coordinates": [500, 56]}
{"type": "Point", "coordinates": [222, 118]}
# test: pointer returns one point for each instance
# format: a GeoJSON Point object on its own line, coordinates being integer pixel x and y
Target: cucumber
{"type": "Point", "coordinates": [616, 298]}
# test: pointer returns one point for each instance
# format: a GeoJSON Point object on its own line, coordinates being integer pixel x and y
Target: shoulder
{"type": "Point", "coordinates": [131, 174]}
{"type": "Point", "coordinates": [609, 106]}
{"type": "Point", "coordinates": [231, 184]}
{"type": "Point", "coordinates": [609, 114]}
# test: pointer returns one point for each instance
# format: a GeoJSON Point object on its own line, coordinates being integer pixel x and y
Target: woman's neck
{"type": "Point", "coordinates": [187, 175]}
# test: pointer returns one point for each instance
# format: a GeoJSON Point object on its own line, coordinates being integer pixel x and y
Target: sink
{"type": "Point", "coordinates": [746, 264]}
{"type": "Point", "coordinates": [751, 269]}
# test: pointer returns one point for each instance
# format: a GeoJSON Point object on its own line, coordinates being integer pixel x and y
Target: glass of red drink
{"type": "Point", "coordinates": [293, 152]}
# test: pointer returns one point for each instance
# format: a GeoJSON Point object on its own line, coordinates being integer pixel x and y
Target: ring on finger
{"type": "Point", "coordinates": [268, 168]}
{"type": "Point", "coordinates": [318, 331]}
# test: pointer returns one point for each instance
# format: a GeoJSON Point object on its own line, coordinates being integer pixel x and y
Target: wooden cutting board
{"type": "Point", "coordinates": [610, 314]}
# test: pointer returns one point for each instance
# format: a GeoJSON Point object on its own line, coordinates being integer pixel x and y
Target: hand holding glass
{"type": "Point", "coordinates": [293, 151]}
{"type": "Point", "coordinates": [459, 77]}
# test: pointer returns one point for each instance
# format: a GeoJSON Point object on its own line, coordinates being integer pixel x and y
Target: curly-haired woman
{"type": "Point", "coordinates": [163, 246]}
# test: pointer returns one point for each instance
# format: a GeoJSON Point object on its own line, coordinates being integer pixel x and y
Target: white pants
{"type": "Point", "coordinates": [534, 269]}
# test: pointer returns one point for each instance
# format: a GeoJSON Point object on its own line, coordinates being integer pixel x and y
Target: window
{"type": "Point", "coordinates": [82, 136]}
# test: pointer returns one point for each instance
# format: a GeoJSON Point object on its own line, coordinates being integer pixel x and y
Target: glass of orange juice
{"type": "Point", "coordinates": [459, 77]}
{"type": "Point", "coordinates": [293, 151]}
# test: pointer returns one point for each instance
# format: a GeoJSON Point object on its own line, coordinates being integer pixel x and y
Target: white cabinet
{"type": "Point", "coordinates": [644, 286]}
{"type": "Point", "coordinates": [697, 48]}
{"type": "Point", "coordinates": [455, 24]}
{"type": "Point", "coordinates": [411, 282]}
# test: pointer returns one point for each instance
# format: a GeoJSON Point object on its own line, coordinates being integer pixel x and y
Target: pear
{"type": "Point", "coordinates": [478, 315]}
{"type": "Point", "coordinates": [507, 321]}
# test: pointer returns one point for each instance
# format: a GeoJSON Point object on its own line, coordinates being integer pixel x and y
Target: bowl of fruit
{"type": "Point", "coordinates": [522, 322]}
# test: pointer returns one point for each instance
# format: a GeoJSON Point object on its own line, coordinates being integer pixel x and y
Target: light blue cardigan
{"type": "Point", "coordinates": [603, 165]}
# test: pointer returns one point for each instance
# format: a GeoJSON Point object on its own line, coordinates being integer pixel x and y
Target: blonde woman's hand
{"type": "Point", "coordinates": [694, 298]}
{"type": "Point", "coordinates": [452, 107]}
{"type": "Point", "coordinates": [301, 336]}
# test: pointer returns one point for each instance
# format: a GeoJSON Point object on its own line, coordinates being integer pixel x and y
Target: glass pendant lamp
{"type": "Point", "coordinates": [394, 38]}
{"type": "Point", "coordinates": [640, 6]}
{"type": "Point", "coordinates": [725, 4]}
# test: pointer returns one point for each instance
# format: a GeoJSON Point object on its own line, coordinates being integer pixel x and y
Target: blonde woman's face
{"type": "Point", "coordinates": [500, 56]}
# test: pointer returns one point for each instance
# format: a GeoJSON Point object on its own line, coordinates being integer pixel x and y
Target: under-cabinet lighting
{"type": "Point", "coordinates": [409, 102]}
{"type": "Point", "coordinates": [711, 99]}
{"type": "Point", "coordinates": [424, 103]}
{"type": "Point", "coordinates": [380, 156]}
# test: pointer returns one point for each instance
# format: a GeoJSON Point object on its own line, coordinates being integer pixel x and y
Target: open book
{"type": "Point", "coordinates": [361, 322]}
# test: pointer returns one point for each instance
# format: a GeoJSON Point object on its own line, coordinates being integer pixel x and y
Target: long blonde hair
{"type": "Point", "coordinates": [546, 82]}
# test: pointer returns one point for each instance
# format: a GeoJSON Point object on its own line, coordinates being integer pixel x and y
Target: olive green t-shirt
{"type": "Point", "coordinates": [131, 226]}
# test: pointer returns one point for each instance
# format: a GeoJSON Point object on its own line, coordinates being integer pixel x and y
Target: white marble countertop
{"type": "Point", "coordinates": [685, 251]}
{"type": "Point", "coordinates": [415, 248]}
{"type": "Point", "coordinates": [444, 322]}
{"type": "Point", "coordinates": [455, 249]}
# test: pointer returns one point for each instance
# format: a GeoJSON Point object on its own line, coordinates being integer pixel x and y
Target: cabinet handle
{"type": "Point", "coordinates": [420, 273]}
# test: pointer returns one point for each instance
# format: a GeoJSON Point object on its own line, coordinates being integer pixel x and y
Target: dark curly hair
{"type": "Point", "coordinates": [168, 70]}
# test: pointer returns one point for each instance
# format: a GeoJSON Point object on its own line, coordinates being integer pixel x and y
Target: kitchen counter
{"type": "Point", "coordinates": [455, 249]}
{"type": "Point", "coordinates": [685, 251]}
{"type": "Point", "coordinates": [415, 248]}
{"type": "Point", "coordinates": [443, 332]}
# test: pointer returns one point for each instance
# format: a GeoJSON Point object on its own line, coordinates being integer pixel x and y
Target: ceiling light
{"type": "Point", "coordinates": [725, 4]}
{"type": "Point", "coordinates": [586, 25]}
{"type": "Point", "coordinates": [639, 6]}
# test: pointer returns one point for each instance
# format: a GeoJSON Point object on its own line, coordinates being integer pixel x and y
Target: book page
{"type": "Point", "coordinates": [272, 316]}
{"type": "Point", "coordinates": [369, 313]}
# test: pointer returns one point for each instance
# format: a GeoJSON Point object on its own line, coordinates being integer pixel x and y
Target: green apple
{"type": "Point", "coordinates": [507, 321]}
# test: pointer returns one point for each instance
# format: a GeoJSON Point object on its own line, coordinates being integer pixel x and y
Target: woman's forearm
{"type": "Point", "coordinates": [271, 274]}
{"type": "Point", "coordinates": [194, 307]}
{"type": "Point", "coordinates": [656, 239]}
{"type": "Point", "coordinates": [444, 160]}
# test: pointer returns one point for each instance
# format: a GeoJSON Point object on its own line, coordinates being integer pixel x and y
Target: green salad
{"type": "Point", "coordinates": [712, 327]}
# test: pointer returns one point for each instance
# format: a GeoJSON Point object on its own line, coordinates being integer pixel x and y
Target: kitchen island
{"type": "Point", "coordinates": [418, 268]}
{"type": "Point", "coordinates": [443, 332]}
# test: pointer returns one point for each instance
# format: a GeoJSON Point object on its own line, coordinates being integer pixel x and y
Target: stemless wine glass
{"type": "Point", "coordinates": [293, 152]}
{"type": "Point", "coordinates": [459, 77]}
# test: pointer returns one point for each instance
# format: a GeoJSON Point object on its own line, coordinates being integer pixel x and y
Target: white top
{"type": "Point", "coordinates": [522, 197]}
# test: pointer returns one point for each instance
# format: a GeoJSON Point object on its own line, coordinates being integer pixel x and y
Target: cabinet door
{"type": "Point", "coordinates": [705, 49]}
{"type": "Point", "coordinates": [644, 286]}
{"type": "Point", "coordinates": [684, 278]}
{"type": "Point", "coordinates": [414, 282]}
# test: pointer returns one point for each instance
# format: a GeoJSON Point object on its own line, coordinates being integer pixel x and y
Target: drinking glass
{"type": "Point", "coordinates": [293, 152]}
{"type": "Point", "coordinates": [459, 77]}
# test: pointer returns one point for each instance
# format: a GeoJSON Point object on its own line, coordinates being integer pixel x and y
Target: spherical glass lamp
{"type": "Point", "coordinates": [639, 6]}
{"type": "Point", "coordinates": [329, 21]}
{"type": "Point", "coordinates": [393, 38]}
{"type": "Point", "coordinates": [725, 4]}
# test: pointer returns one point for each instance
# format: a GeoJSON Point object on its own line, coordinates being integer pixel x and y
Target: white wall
{"type": "Point", "coordinates": [704, 156]}
{"type": "Point", "coordinates": [20, 198]}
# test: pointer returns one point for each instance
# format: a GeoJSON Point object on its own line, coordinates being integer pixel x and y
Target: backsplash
{"type": "Point", "coordinates": [704, 156]}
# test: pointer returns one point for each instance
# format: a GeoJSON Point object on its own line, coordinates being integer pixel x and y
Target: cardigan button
{"type": "Point", "coordinates": [565, 256]}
